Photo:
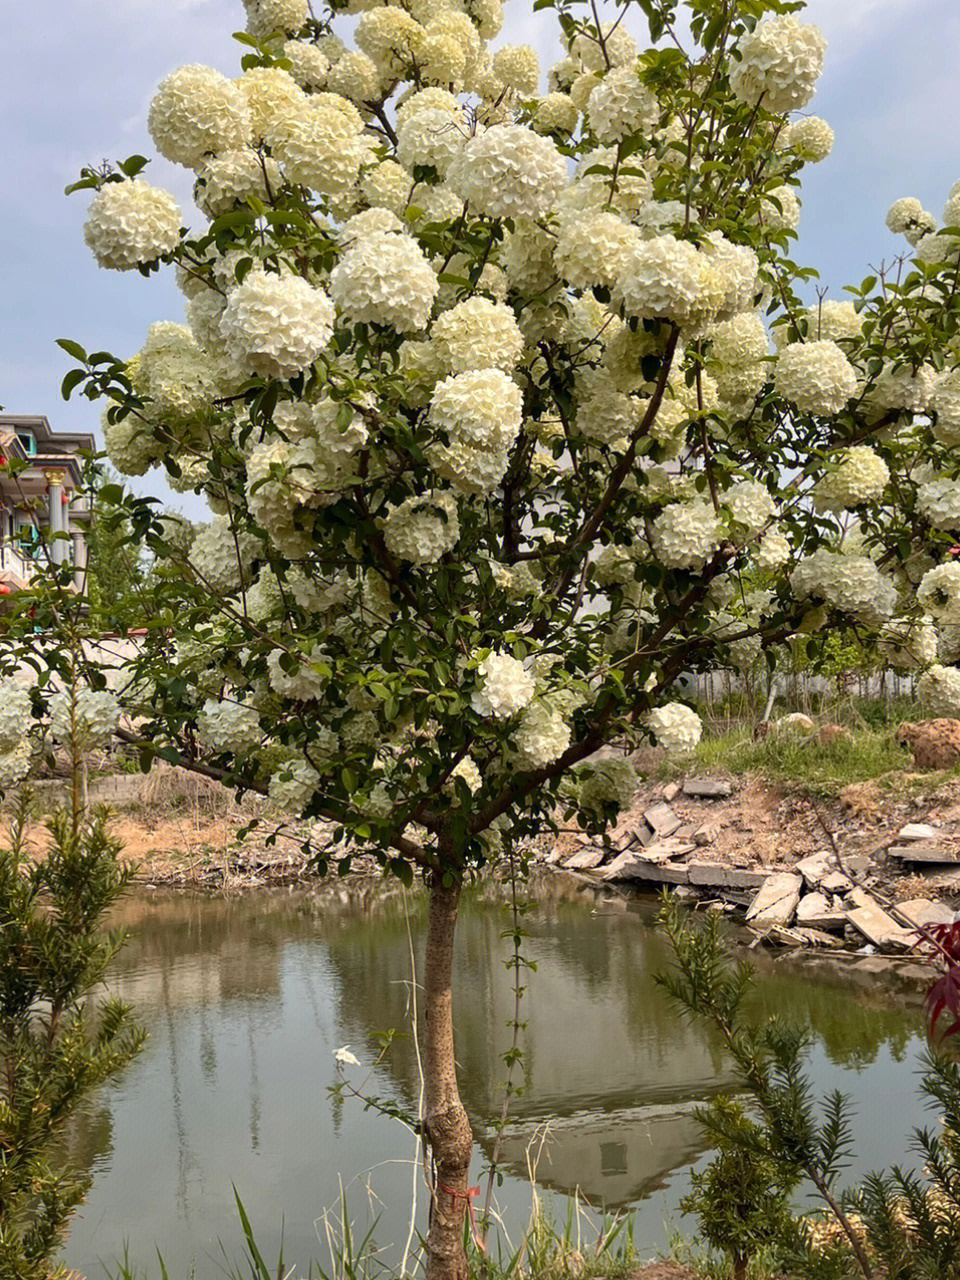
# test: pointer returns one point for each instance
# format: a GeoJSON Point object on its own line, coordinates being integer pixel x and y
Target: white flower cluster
{"type": "Point", "coordinates": [849, 583]}
{"type": "Point", "coordinates": [385, 279]}
{"type": "Point", "coordinates": [939, 691]}
{"type": "Point", "coordinates": [542, 735]}
{"type": "Point", "coordinates": [222, 556]}
{"type": "Point", "coordinates": [131, 446]}
{"type": "Point", "coordinates": [939, 592]}
{"type": "Point", "coordinates": [15, 717]}
{"type": "Point", "coordinates": [509, 171]}
{"type": "Point", "coordinates": [740, 346]}
{"type": "Point", "coordinates": [945, 403]}
{"type": "Point", "coordinates": [773, 551]}
{"type": "Point", "coordinates": [816, 376]}
{"type": "Point", "coordinates": [939, 501]}
{"type": "Point", "coordinates": [477, 334]}
{"type": "Point", "coordinates": [591, 250]}
{"type": "Point", "coordinates": [305, 683]}
{"type": "Point", "coordinates": [836, 321]}
{"type": "Point", "coordinates": [810, 137]}
{"type": "Point", "coordinates": [468, 771]}
{"type": "Point", "coordinates": [685, 535]}
{"type": "Point", "coordinates": [423, 528]}
{"type": "Point", "coordinates": [859, 476]}
{"type": "Point", "coordinates": [908, 644]}
{"type": "Point", "coordinates": [612, 781]}
{"type": "Point", "coordinates": [130, 223]}
{"type": "Point", "coordinates": [309, 65]}
{"type": "Point", "coordinates": [664, 278]}
{"type": "Point", "coordinates": [621, 105]}
{"type": "Point", "coordinates": [276, 103]}
{"type": "Point", "coordinates": [228, 726]}
{"type": "Point", "coordinates": [266, 17]}
{"type": "Point", "coordinates": [506, 687]}
{"type": "Point", "coordinates": [431, 136]}
{"type": "Point", "coordinates": [907, 217]}
{"type": "Point", "coordinates": [556, 113]}
{"type": "Point", "coordinates": [320, 145]}
{"type": "Point", "coordinates": [229, 179]}
{"type": "Point", "coordinates": [779, 64]}
{"type": "Point", "coordinates": [276, 325]}
{"type": "Point", "coordinates": [197, 112]}
{"type": "Point", "coordinates": [480, 413]}
{"type": "Point", "coordinates": [86, 719]}
{"type": "Point", "coordinates": [292, 786]}
{"type": "Point", "coordinates": [675, 727]}
{"type": "Point", "coordinates": [750, 505]}
{"type": "Point", "coordinates": [173, 373]}
{"type": "Point", "coordinates": [15, 765]}
{"type": "Point", "coordinates": [517, 67]}
{"type": "Point", "coordinates": [905, 389]}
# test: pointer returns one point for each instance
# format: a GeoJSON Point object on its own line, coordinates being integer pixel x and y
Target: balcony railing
{"type": "Point", "coordinates": [12, 560]}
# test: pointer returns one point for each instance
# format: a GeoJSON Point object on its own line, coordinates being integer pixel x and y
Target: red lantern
{"type": "Point", "coordinates": [4, 589]}
{"type": "Point", "coordinates": [64, 499]}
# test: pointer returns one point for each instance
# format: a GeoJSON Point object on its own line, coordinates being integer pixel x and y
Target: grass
{"type": "Point", "coordinates": [709, 1265]}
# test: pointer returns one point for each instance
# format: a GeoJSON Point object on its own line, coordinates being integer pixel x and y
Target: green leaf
{"type": "Point", "coordinates": [73, 379]}
{"type": "Point", "coordinates": [72, 349]}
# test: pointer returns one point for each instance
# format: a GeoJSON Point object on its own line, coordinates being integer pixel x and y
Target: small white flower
{"type": "Point", "coordinates": [345, 1058]}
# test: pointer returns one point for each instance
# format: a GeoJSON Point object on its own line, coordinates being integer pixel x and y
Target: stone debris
{"type": "Point", "coordinates": [671, 791]}
{"type": "Point", "coordinates": [818, 912]}
{"type": "Point", "coordinates": [586, 859]}
{"type": "Point", "coordinates": [869, 919]}
{"type": "Point", "coordinates": [633, 865]}
{"type": "Point", "coordinates": [662, 820]}
{"type": "Point", "coordinates": [924, 851]}
{"type": "Point", "coordinates": [706, 834]}
{"type": "Point", "coordinates": [776, 901]}
{"type": "Point", "coordinates": [709, 788]}
{"type": "Point", "coordinates": [920, 831]}
{"type": "Point", "coordinates": [926, 912]}
{"type": "Point", "coordinates": [711, 875]}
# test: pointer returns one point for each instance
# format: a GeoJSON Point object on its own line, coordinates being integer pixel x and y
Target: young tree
{"type": "Point", "coordinates": [479, 385]}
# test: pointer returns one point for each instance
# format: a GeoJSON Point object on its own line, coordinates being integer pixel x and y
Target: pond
{"type": "Point", "coordinates": [246, 999]}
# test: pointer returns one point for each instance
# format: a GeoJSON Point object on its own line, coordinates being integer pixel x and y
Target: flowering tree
{"type": "Point", "coordinates": [509, 413]}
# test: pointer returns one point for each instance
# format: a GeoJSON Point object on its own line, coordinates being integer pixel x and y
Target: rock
{"type": "Point", "coordinates": [634, 865]}
{"type": "Point", "coordinates": [708, 788]}
{"type": "Point", "coordinates": [586, 859]}
{"type": "Point", "coordinates": [662, 819]}
{"type": "Point", "coordinates": [712, 875]}
{"type": "Point", "coordinates": [828, 733]}
{"type": "Point", "coordinates": [707, 834]}
{"type": "Point", "coordinates": [935, 743]}
{"type": "Point", "coordinates": [926, 911]}
{"type": "Point", "coordinates": [671, 791]}
{"type": "Point", "coordinates": [920, 831]}
{"type": "Point", "coordinates": [665, 850]}
{"type": "Point", "coordinates": [869, 919]}
{"type": "Point", "coordinates": [801, 937]}
{"type": "Point", "coordinates": [816, 867]}
{"type": "Point", "coordinates": [923, 851]}
{"type": "Point", "coordinates": [797, 722]}
{"type": "Point", "coordinates": [817, 911]}
{"type": "Point", "coordinates": [836, 882]}
{"type": "Point", "coordinates": [777, 899]}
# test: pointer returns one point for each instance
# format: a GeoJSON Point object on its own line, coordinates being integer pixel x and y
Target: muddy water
{"type": "Point", "coordinates": [246, 999]}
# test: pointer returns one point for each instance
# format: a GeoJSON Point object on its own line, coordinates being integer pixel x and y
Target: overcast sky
{"type": "Point", "coordinates": [79, 77]}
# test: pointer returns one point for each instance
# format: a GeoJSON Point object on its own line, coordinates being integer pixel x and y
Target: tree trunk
{"type": "Point", "coordinates": [446, 1128]}
{"type": "Point", "coordinates": [740, 1261]}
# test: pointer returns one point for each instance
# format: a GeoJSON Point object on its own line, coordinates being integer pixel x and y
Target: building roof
{"type": "Point", "coordinates": [54, 448]}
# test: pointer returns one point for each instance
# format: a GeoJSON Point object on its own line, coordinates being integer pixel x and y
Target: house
{"type": "Point", "coordinates": [42, 499]}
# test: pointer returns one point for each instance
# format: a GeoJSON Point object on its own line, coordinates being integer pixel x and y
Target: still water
{"type": "Point", "coordinates": [247, 998]}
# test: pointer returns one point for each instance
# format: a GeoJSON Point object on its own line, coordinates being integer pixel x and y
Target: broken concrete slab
{"type": "Point", "coordinates": [925, 851]}
{"type": "Point", "coordinates": [920, 831]}
{"type": "Point", "coordinates": [816, 866]}
{"type": "Point", "coordinates": [708, 788]}
{"type": "Point", "coordinates": [871, 921]}
{"type": "Point", "coordinates": [816, 911]}
{"type": "Point", "coordinates": [586, 859]}
{"type": "Point", "coordinates": [776, 901]}
{"type": "Point", "coordinates": [662, 819]}
{"type": "Point", "coordinates": [836, 882]}
{"type": "Point", "coordinates": [927, 911]}
{"type": "Point", "coordinates": [634, 865]}
{"type": "Point", "coordinates": [671, 791]}
{"type": "Point", "coordinates": [712, 875]}
{"type": "Point", "coordinates": [707, 834]}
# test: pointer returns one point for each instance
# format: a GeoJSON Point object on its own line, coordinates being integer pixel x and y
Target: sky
{"type": "Point", "coordinates": [77, 85]}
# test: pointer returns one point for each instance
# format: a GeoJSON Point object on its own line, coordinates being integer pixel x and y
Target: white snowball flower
{"type": "Point", "coordinates": [275, 102]}
{"type": "Point", "coordinates": [478, 334]}
{"type": "Point", "coordinates": [226, 180]}
{"type": "Point", "coordinates": [355, 76]}
{"type": "Point", "coordinates": [197, 112]}
{"type": "Point", "coordinates": [367, 222]}
{"type": "Point", "coordinates": [480, 413]}
{"type": "Point", "coordinates": [907, 217]}
{"type": "Point", "coordinates": [309, 65]}
{"type": "Point", "coordinates": [740, 346]}
{"type": "Point", "coordinates": [905, 389]}
{"type": "Point", "coordinates": [675, 727]}
{"type": "Point", "coordinates": [345, 1058]}
{"type": "Point", "coordinates": [391, 37]}
{"type": "Point", "coordinates": [506, 687]}
{"type": "Point", "coordinates": [222, 556]}
{"type": "Point", "coordinates": [860, 476]}
{"type": "Point", "coordinates": [939, 502]}
{"type": "Point", "coordinates": [835, 321]}
{"type": "Point", "coordinates": [228, 726]}
{"type": "Point", "coordinates": [292, 786]}
{"type": "Point", "coordinates": [429, 99]}
{"type": "Point", "coordinates": [305, 683]}
{"type": "Point", "coordinates": [130, 446]}
{"type": "Point", "coordinates": [750, 505]}
{"type": "Point", "coordinates": [422, 528]}
{"type": "Point", "coordinates": [129, 223]}
{"type": "Point", "coordinates": [468, 771]}
{"type": "Point", "coordinates": [668, 279]}
{"type": "Point", "coordinates": [15, 717]}
{"type": "Point", "coordinates": [620, 106]}
{"type": "Point", "coordinates": [541, 737]}
{"type": "Point", "coordinates": [810, 137]}
{"type": "Point", "coordinates": [939, 592]}
{"type": "Point", "coordinates": [773, 551]}
{"type": "Point", "coordinates": [87, 720]}
{"type": "Point", "coordinates": [852, 584]}
{"type": "Point", "coordinates": [780, 209]}
{"type": "Point", "coordinates": [591, 250]}
{"type": "Point", "coordinates": [15, 765]}
{"type": "Point", "coordinates": [939, 691]}
{"type": "Point", "coordinates": [779, 64]}
{"type": "Point", "coordinates": [517, 67]}
{"type": "Point", "coordinates": [945, 403]}
{"type": "Point", "coordinates": [275, 326]}
{"type": "Point", "coordinates": [816, 376]}
{"type": "Point", "coordinates": [908, 644]}
{"type": "Point", "coordinates": [321, 148]}
{"type": "Point", "coordinates": [266, 17]}
{"type": "Point", "coordinates": [388, 186]}
{"type": "Point", "coordinates": [612, 781]}
{"type": "Point", "coordinates": [385, 279]}
{"type": "Point", "coordinates": [556, 113]}
{"type": "Point", "coordinates": [685, 535]}
{"type": "Point", "coordinates": [509, 171]}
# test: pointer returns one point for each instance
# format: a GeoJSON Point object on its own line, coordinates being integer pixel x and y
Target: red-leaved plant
{"type": "Point", "coordinates": [943, 998]}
